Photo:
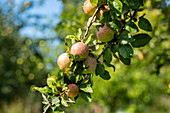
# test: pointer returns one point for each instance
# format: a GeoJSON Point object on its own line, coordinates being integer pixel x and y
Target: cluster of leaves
{"type": "Point", "coordinates": [123, 20]}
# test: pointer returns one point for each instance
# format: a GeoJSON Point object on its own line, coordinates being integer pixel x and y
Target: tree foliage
{"type": "Point", "coordinates": [124, 19]}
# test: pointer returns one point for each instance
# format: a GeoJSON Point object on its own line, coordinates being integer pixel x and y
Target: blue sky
{"type": "Point", "coordinates": [50, 10]}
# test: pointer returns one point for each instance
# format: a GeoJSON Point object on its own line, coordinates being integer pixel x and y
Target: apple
{"type": "Point", "coordinates": [64, 62]}
{"type": "Point", "coordinates": [88, 8]}
{"type": "Point", "coordinates": [73, 90]}
{"type": "Point", "coordinates": [91, 63]}
{"type": "Point", "coordinates": [79, 49]}
{"type": "Point", "coordinates": [105, 34]}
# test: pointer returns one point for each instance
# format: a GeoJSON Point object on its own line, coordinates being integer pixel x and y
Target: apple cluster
{"type": "Point", "coordinates": [105, 33]}
{"type": "Point", "coordinates": [81, 52]}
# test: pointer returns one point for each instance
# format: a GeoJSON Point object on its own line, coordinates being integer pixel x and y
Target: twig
{"type": "Point", "coordinates": [107, 45]}
{"type": "Point", "coordinates": [90, 22]}
{"type": "Point", "coordinates": [61, 93]}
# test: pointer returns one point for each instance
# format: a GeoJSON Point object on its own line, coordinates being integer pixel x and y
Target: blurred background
{"type": "Point", "coordinates": [32, 36]}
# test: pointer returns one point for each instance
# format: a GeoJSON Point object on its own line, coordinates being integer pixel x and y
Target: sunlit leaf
{"type": "Point", "coordinates": [86, 88]}
{"type": "Point", "coordinates": [86, 96]}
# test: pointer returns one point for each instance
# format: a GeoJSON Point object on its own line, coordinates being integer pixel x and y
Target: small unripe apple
{"type": "Point", "coordinates": [91, 63]}
{"type": "Point", "coordinates": [105, 34]}
{"type": "Point", "coordinates": [73, 90]}
{"type": "Point", "coordinates": [79, 49]}
{"type": "Point", "coordinates": [103, 9]}
{"type": "Point", "coordinates": [88, 8]}
{"type": "Point", "coordinates": [63, 62]}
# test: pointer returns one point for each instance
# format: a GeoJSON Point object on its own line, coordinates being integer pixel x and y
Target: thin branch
{"type": "Point", "coordinates": [90, 22]}
{"type": "Point", "coordinates": [107, 45]}
{"type": "Point", "coordinates": [62, 93]}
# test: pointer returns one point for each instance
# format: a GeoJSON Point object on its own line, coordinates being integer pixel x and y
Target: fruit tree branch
{"type": "Point", "coordinates": [90, 21]}
{"type": "Point", "coordinates": [106, 46]}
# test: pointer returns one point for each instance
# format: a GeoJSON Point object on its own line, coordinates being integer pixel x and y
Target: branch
{"type": "Point", "coordinates": [62, 93]}
{"type": "Point", "coordinates": [107, 45]}
{"type": "Point", "coordinates": [90, 21]}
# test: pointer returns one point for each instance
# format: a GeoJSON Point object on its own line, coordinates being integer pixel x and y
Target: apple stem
{"type": "Point", "coordinates": [90, 22]}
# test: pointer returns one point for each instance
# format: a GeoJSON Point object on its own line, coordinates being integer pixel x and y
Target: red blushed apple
{"type": "Point", "coordinates": [88, 8]}
{"type": "Point", "coordinates": [105, 34]}
{"type": "Point", "coordinates": [91, 63]}
{"type": "Point", "coordinates": [73, 90]}
{"type": "Point", "coordinates": [79, 49]}
{"type": "Point", "coordinates": [63, 62]}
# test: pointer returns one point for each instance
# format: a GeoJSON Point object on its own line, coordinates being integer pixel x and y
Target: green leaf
{"type": "Point", "coordinates": [87, 39]}
{"type": "Point", "coordinates": [104, 18]}
{"type": "Point", "coordinates": [45, 90]}
{"type": "Point", "coordinates": [145, 24]}
{"type": "Point", "coordinates": [105, 75]}
{"type": "Point", "coordinates": [126, 39]}
{"type": "Point", "coordinates": [70, 100]}
{"type": "Point", "coordinates": [99, 69]}
{"type": "Point", "coordinates": [72, 37]}
{"type": "Point", "coordinates": [94, 2]}
{"type": "Point", "coordinates": [77, 78]}
{"type": "Point", "coordinates": [79, 70]}
{"type": "Point", "coordinates": [126, 51]}
{"type": "Point", "coordinates": [63, 102]}
{"type": "Point", "coordinates": [56, 101]}
{"type": "Point", "coordinates": [45, 100]}
{"type": "Point", "coordinates": [110, 65]}
{"type": "Point", "coordinates": [126, 61]}
{"type": "Point", "coordinates": [125, 8]}
{"type": "Point", "coordinates": [45, 108]}
{"type": "Point", "coordinates": [141, 40]}
{"type": "Point", "coordinates": [115, 47]}
{"type": "Point", "coordinates": [107, 55]}
{"type": "Point", "coordinates": [117, 6]}
{"type": "Point", "coordinates": [134, 4]}
{"type": "Point", "coordinates": [131, 27]}
{"type": "Point", "coordinates": [67, 45]}
{"type": "Point", "coordinates": [57, 109]}
{"type": "Point", "coordinates": [79, 34]}
{"type": "Point", "coordinates": [86, 88]}
{"type": "Point", "coordinates": [86, 96]}
{"type": "Point", "coordinates": [115, 24]}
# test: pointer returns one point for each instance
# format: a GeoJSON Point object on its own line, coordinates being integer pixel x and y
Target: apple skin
{"type": "Point", "coordinates": [91, 62]}
{"type": "Point", "coordinates": [80, 49]}
{"type": "Point", "coordinates": [64, 62]}
{"type": "Point", "coordinates": [88, 8]}
{"type": "Point", "coordinates": [73, 90]}
{"type": "Point", "coordinates": [105, 34]}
